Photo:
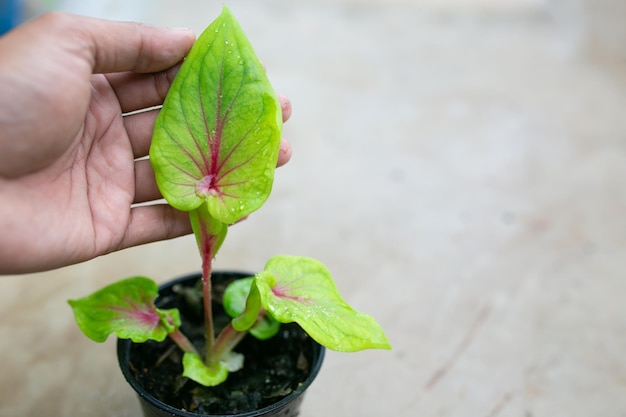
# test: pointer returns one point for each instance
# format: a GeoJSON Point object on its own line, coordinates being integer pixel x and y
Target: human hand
{"type": "Point", "coordinates": [69, 170]}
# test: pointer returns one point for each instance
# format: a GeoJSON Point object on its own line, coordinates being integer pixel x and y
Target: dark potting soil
{"type": "Point", "coordinates": [272, 368]}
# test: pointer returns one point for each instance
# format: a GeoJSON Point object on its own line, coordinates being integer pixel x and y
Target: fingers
{"type": "Point", "coordinates": [285, 106]}
{"type": "Point", "coordinates": [139, 127]}
{"type": "Point", "coordinates": [284, 153]}
{"type": "Point", "coordinates": [154, 223]}
{"type": "Point", "coordinates": [137, 91]}
{"type": "Point", "coordinates": [145, 184]}
{"type": "Point", "coordinates": [123, 46]}
{"type": "Point", "coordinates": [132, 50]}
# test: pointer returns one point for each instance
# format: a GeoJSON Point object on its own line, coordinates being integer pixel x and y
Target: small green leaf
{"type": "Point", "coordinates": [125, 308]}
{"type": "Point", "coordinates": [235, 296]}
{"type": "Point", "coordinates": [170, 319]}
{"type": "Point", "coordinates": [217, 137]}
{"type": "Point", "coordinates": [250, 314]}
{"type": "Point", "coordinates": [196, 370]}
{"type": "Point", "coordinates": [265, 327]}
{"type": "Point", "coordinates": [258, 323]}
{"type": "Point", "coordinates": [301, 290]}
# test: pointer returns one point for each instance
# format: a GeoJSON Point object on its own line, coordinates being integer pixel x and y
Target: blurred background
{"type": "Point", "coordinates": [459, 165]}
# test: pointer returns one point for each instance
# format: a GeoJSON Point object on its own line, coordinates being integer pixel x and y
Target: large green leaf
{"type": "Point", "coordinates": [217, 137]}
{"type": "Point", "coordinates": [125, 308]}
{"type": "Point", "coordinates": [301, 290]}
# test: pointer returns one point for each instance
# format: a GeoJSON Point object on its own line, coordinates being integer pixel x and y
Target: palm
{"type": "Point", "coordinates": [92, 185]}
{"type": "Point", "coordinates": [100, 183]}
{"type": "Point", "coordinates": [73, 201]}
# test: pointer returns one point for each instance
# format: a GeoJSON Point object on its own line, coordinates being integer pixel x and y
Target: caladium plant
{"type": "Point", "coordinates": [214, 150]}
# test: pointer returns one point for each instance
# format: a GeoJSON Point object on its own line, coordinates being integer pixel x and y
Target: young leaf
{"type": "Point", "coordinates": [301, 289]}
{"type": "Point", "coordinates": [209, 232]}
{"type": "Point", "coordinates": [235, 296]}
{"type": "Point", "coordinates": [207, 375]}
{"type": "Point", "coordinates": [245, 308]}
{"type": "Point", "coordinates": [265, 327]}
{"type": "Point", "coordinates": [217, 137]}
{"type": "Point", "coordinates": [127, 309]}
{"type": "Point", "coordinates": [250, 313]}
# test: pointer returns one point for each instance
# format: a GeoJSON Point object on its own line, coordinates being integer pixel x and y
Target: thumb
{"type": "Point", "coordinates": [111, 46]}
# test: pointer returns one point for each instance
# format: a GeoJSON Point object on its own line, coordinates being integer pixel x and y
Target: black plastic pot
{"type": "Point", "coordinates": [287, 406]}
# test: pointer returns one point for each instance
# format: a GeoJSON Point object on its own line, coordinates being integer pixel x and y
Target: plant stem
{"type": "Point", "coordinates": [181, 340]}
{"type": "Point", "coordinates": [208, 309]}
{"type": "Point", "coordinates": [210, 234]}
{"type": "Point", "coordinates": [226, 341]}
